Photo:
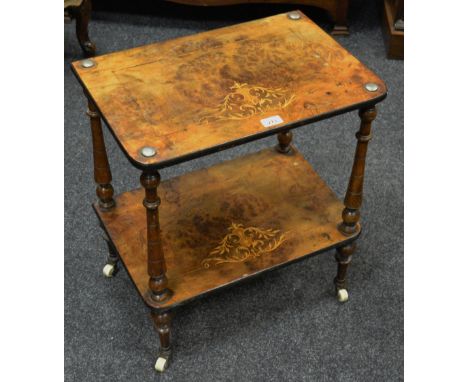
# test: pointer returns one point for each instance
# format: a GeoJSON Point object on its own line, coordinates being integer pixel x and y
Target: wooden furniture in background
{"type": "Point", "coordinates": [81, 11]}
{"type": "Point", "coordinates": [393, 15]}
{"type": "Point", "coordinates": [337, 9]}
{"type": "Point", "coordinates": [173, 101]}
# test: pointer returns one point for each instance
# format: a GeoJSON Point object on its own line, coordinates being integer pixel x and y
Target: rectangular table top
{"type": "Point", "coordinates": [198, 94]}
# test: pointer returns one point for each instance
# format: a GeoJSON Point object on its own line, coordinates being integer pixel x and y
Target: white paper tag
{"type": "Point", "coordinates": [271, 121]}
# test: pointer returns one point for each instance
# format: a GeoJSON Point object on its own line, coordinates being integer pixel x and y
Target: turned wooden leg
{"type": "Point", "coordinates": [340, 17]}
{"type": "Point", "coordinates": [83, 14]}
{"type": "Point", "coordinates": [343, 258]}
{"type": "Point", "coordinates": [102, 172]}
{"type": "Point", "coordinates": [110, 269]}
{"type": "Point", "coordinates": [353, 201]}
{"type": "Point", "coordinates": [158, 289]}
{"type": "Point", "coordinates": [353, 198]}
{"type": "Point", "coordinates": [284, 142]}
{"type": "Point", "coordinates": [162, 322]}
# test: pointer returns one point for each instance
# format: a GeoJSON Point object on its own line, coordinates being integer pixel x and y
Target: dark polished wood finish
{"type": "Point", "coordinates": [343, 258]}
{"type": "Point", "coordinates": [339, 15]}
{"type": "Point", "coordinates": [112, 254]}
{"type": "Point", "coordinates": [353, 198]}
{"type": "Point", "coordinates": [158, 290]}
{"type": "Point", "coordinates": [284, 142]}
{"type": "Point", "coordinates": [82, 20]}
{"type": "Point", "coordinates": [203, 93]}
{"type": "Point", "coordinates": [162, 323]}
{"type": "Point", "coordinates": [337, 9]}
{"type": "Point", "coordinates": [102, 172]}
{"type": "Point", "coordinates": [82, 14]}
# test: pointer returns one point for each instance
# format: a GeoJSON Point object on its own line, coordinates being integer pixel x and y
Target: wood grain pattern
{"type": "Point", "coordinates": [202, 93]}
{"type": "Point", "coordinates": [223, 224]}
{"type": "Point", "coordinates": [81, 11]}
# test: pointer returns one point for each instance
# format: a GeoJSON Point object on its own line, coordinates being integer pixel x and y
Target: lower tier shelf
{"type": "Point", "coordinates": [223, 224]}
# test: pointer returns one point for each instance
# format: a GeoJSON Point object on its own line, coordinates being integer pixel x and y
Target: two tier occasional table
{"type": "Point", "coordinates": [177, 100]}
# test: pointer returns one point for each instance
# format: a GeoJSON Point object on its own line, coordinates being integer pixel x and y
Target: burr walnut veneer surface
{"type": "Point", "coordinates": [197, 94]}
{"type": "Point", "coordinates": [228, 222]}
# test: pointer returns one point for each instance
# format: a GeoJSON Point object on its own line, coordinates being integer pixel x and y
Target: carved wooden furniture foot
{"type": "Point", "coordinates": [212, 228]}
{"type": "Point", "coordinates": [81, 11]}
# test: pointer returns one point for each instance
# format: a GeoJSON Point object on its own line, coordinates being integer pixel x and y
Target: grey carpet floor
{"type": "Point", "coordinates": [285, 325]}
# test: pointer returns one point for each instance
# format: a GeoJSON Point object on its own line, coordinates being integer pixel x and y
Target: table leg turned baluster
{"type": "Point", "coordinates": [353, 201]}
{"type": "Point", "coordinates": [83, 14]}
{"type": "Point", "coordinates": [103, 178]}
{"type": "Point", "coordinates": [284, 142]}
{"type": "Point", "coordinates": [158, 289]}
{"type": "Point", "coordinates": [102, 172]}
{"type": "Point", "coordinates": [110, 268]}
{"type": "Point", "coordinates": [162, 322]}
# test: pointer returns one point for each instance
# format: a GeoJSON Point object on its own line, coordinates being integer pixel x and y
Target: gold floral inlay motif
{"type": "Point", "coordinates": [247, 100]}
{"type": "Point", "coordinates": [241, 244]}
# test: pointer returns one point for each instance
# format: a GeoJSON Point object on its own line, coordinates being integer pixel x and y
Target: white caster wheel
{"type": "Point", "coordinates": [161, 364]}
{"type": "Point", "coordinates": [108, 270]}
{"type": "Point", "coordinates": [342, 295]}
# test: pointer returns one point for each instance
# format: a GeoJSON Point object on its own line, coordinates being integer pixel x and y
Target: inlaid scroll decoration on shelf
{"type": "Point", "coordinates": [246, 100]}
{"type": "Point", "coordinates": [244, 243]}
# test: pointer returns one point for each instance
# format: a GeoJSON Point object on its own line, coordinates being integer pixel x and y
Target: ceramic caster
{"type": "Point", "coordinates": [161, 364]}
{"type": "Point", "coordinates": [109, 270]}
{"type": "Point", "coordinates": [342, 295]}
